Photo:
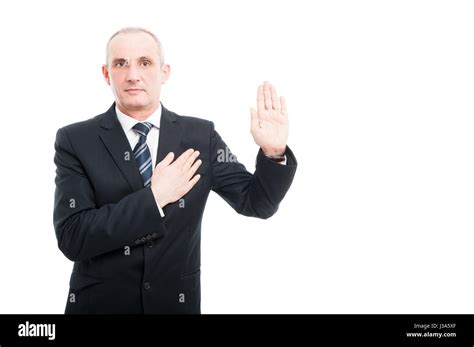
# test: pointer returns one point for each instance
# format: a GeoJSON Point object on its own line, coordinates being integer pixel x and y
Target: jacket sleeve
{"type": "Point", "coordinates": [257, 195]}
{"type": "Point", "coordinates": [84, 231]}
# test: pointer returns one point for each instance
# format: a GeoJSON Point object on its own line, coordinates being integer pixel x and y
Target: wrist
{"type": "Point", "coordinates": [274, 152]}
{"type": "Point", "coordinates": [161, 204]}
{"type": "Point", "coordinates": [158, 199]}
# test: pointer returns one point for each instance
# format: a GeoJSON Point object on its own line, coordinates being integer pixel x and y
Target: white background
{"type": "Point", "coordinates": [380, 96]}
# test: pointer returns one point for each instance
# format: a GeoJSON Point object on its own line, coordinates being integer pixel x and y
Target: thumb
{"type": "Point", "coordinates": [166, 161]}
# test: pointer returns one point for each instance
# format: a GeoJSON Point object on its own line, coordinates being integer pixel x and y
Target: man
{"type": "Point", "coordinates": [132, 184]}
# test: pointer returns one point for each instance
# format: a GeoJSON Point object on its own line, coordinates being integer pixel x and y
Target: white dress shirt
{"type": "Point", "coordinates": [128, 122]}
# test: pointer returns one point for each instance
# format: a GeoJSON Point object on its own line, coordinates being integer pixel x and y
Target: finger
{"type": "Point", "coordinates": [260, 99]}
{"type": "Point", "coordinates": [194, 168]}
{"type": "Point", "coordinates": [255, 123]}
{"type": "Point", "coordinates": [184, 157]}
{"type": "Point", "coordinates": [166, 161]}
{"type": "Point", "coordinates": [190, 161]}
{"type": "Point", "coordinates": [192, 182]}
{"type": "Point", "coordinates": [284, 111]}
{"type": "Point", "coordinates": [275, 101]}
{"type": "Point", "coordinates": [267, 95]}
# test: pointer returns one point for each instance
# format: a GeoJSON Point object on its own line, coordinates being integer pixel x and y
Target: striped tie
{"type": "Point", "coordinates": [142, 153]}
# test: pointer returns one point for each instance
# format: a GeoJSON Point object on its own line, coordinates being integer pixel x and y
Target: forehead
{"type": "Point", "coordinates": [133, 45]}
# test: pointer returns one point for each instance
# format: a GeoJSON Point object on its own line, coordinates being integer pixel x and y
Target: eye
{"type": "Point", "coordinates": [146, 63]}
{"type": "Point", "coordinates": [120, 64]}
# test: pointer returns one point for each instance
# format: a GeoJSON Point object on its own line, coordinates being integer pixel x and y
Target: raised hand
{"type": "Point", "coordinates": [269, 125]}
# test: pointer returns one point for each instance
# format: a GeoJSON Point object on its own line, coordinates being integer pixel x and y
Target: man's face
{"type": "Point", "coordinates": [134, 73]}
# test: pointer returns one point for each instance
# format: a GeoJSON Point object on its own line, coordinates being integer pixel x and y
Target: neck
{"type": "Point", "coordinates": [139, 114]}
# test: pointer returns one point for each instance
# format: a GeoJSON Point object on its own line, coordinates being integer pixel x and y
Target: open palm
{"type": "Point", "coordinates": [269, 125]}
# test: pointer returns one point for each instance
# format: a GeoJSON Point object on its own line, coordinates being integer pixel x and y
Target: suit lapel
{"type": "Point", "coordinates": [119, 148]}
{"type": "Point", "coordinates": [117, 144]}
{"type": "Point", "coordinates": [170, 135]}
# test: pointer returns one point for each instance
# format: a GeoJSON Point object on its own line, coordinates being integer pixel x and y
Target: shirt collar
{"type": "Point", "coordinates": [127, 122]}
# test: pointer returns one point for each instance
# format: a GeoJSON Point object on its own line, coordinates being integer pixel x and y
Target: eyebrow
{"type": "Point", "coordinates": [118, 60]}
{"type": "Point", "coordinates": [145, 58]}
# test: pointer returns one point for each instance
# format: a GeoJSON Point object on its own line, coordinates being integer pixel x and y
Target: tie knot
{"type": "Point", "coordinates": [142, 128]}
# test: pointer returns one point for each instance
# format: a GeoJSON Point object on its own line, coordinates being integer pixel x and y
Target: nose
{"type": "Point", "coordinates": [132, 74]}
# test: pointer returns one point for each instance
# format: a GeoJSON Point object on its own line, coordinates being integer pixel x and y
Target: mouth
{"type": "Point", "coordinates": [133, 90]}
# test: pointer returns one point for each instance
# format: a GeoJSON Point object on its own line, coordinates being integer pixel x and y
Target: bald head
{"type": "Point", "coordinates": [135, 30]}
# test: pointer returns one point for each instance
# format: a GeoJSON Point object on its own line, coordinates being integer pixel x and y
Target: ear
{"type": "Point", "coordinates": [165, 73]}
{"type": "Point", "coordinates": [105, 72]}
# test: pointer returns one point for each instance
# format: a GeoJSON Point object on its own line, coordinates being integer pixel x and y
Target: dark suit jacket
{"type": "Point", "coordinates": [127, 258]}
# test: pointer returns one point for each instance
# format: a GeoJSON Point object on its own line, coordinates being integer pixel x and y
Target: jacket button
{"type": "Point", "coordinates": [146, 285]}
{"type": "Point", "coordinates": [149, 244]}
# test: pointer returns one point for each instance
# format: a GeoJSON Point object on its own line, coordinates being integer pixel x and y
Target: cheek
{"type": "Point", "coordinates": [153, 84]}
{"type": "Point", "coordinates": [154, 78]}
{"type": "Point", "coordinates": [115, 87]}
{"type": "Point", "coordinates": [117, 78]}
{"type": "Point", "coordinates": [116, 83]}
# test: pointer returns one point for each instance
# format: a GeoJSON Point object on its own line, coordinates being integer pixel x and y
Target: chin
{"type": "Point", "coordinates": [135, 104]}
